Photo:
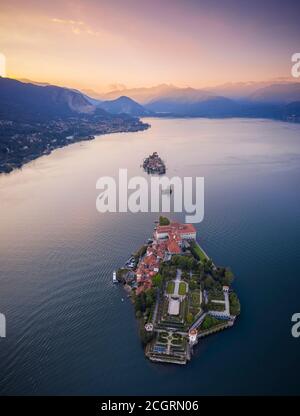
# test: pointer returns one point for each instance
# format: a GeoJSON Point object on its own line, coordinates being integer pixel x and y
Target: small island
{"type": "Point", "coordinates": [179, 294]}
{"type": "Point", "coordinates": [153, 164]}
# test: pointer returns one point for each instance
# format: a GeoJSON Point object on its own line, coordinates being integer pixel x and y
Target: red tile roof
{"type": "Point", "coordinates": [176, 228]}
{"type": "Point", "coordinates": [149, 264]}
{"type": "Point", "coordinates": [173, 247]}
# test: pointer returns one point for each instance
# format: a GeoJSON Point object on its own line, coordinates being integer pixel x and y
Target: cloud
{"type": "Point", "coordinates": [77, 27]}
{"type": "Point", "coordinates": [67, 22]}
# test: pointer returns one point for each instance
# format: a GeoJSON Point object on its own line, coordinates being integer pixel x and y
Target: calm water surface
{"type": "Point", "coordinates": [68, 331]}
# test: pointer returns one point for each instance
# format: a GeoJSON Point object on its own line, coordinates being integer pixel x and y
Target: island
{"type": "Point", "coordinates": [153, 164]}
{"type": "Point", "coordinates": [179, 294]}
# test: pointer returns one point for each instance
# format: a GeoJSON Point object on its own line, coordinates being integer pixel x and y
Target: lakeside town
{"type": "Point", "coordinates": [23, 141]}
{"type": "Point", "coordinates": [179, 294]}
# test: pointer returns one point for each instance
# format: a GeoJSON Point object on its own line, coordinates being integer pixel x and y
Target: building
{"type": "Point", "coordinates": [182, 231]}
{"type": "Point", "coordinates": [193, 336]}
{"type": "Point", "coordinates": [174, 244]}
{"type": "Point", "coordinates": [149, 327]}
{"type": "Point", "coordinates": [168, 241]}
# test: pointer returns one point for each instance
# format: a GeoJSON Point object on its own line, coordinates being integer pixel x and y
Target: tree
{"type": "Point", "coordinates": [164, 220]}
{"type": "Point", "coordinates": [184, 262]}
{"type": "Point", "coordinates": [208, 282]}
{"type": "Point", "coordinates": [193, 284]}
{"type": "Point", "coordinates": [235, 306]}
{"type": "Point", "coordinates": [185, 275]}
{"type": "Point", "coordinates": [228, 278]}
{"type": "Point", "coordinates": [140, 252]}
{"type": "Point", "coordinates": [167, 271]}
{"type": "Point", "coordinates": [145, 336]}
{"type": "Point", "coordinates": [150, 297]}
{"type": "Point", "coordinates": [221, 271]}
{"type": "Point", "coordinates": [209, 321]}
{"type": "Point", "coordinates": [191, 263]}
{"type": "Point", "coordinates": [157, 281]}
{"type": "Point", "coordinates": [140, 302]}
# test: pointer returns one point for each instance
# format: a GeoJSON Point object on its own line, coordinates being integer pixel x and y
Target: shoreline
{"type": "Point", "coordinates": [7, 168]}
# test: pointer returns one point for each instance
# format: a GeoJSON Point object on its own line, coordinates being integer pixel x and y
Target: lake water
{"type": "Point", "coordinates": [68, 330]}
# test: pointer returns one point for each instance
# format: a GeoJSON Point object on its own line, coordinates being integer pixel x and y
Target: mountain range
{"type": "Point", "coordinates": [228, 100]}
{"type": "Point", "coordinates": [279, 100]}
{"type": "Point", "coordinates": [277, 93]}
{"type": "Point", "coordinates": [233, 90]}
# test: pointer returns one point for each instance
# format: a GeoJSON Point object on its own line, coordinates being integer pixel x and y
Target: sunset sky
{"type": "Point", "coordinates": [99, 44]}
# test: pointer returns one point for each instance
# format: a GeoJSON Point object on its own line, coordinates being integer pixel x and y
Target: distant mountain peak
{"type": "Point", "coordinates": [124, 105]}
{"type": "Point", "coordinates": [124, 98]}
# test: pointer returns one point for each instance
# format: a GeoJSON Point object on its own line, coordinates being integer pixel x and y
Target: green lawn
{"type": "Point", "coordinates": [199, 251]}
{"type": "Point", "coordinates": [182, 288]}
{"type": "Point", "coordinates": [170, 288]}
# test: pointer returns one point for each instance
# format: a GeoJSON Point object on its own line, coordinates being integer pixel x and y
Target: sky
{"type": "Point", "coordinates": [103, 44]}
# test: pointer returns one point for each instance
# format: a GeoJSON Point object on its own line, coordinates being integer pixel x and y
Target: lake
{"type": "Point", "coordinates": [68, 329]}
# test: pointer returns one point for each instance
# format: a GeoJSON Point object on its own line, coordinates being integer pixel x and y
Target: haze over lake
{"type": "Point", "coordinates": [68, 330]}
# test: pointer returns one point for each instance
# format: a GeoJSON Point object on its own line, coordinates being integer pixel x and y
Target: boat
{"type": "Point", "coordinates": [130, 260]}
{"type": "Point", "coordinates": [115, 280]}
